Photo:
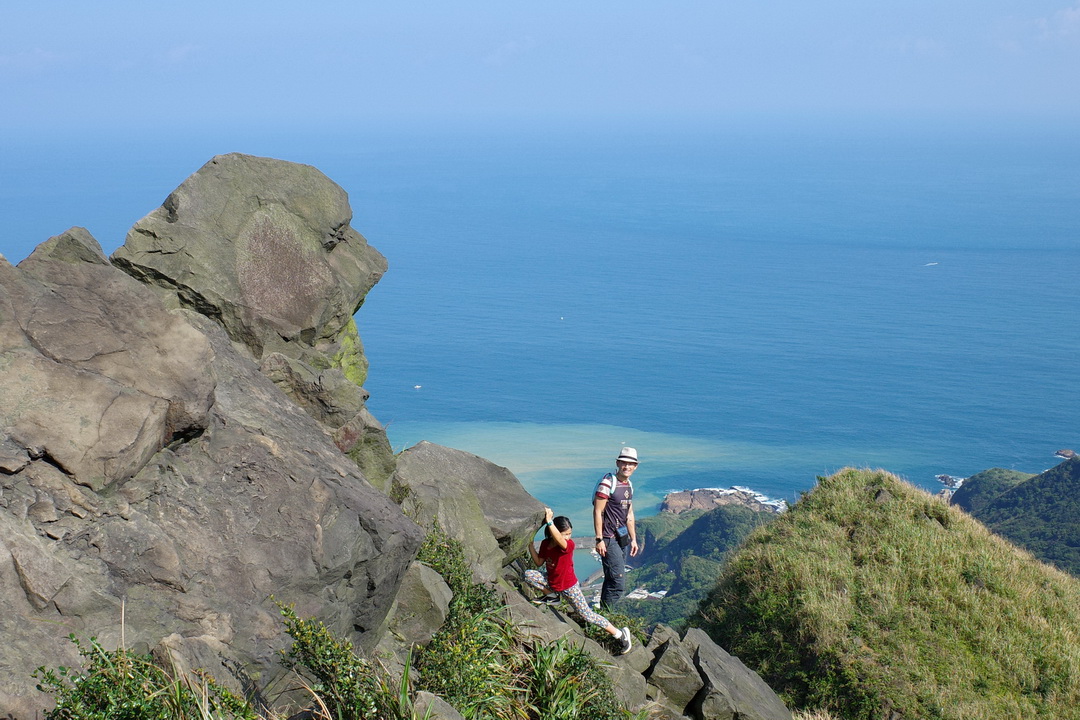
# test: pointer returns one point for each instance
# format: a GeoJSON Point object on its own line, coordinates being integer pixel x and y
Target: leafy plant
{"type": "Point", "coordinates": [473, 660]}
{"type": "Point", "coordinates": [346, 685]}
{"type": "Point", "coordinates": [123, 685]}
{"type": "Point", "coordinates": [446, 555]}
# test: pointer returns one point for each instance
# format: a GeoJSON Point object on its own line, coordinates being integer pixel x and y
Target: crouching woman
{"type": "Point", "coordinates": [556, 554]}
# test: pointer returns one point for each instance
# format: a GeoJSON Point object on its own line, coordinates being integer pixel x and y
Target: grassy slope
{"type": "Point", "coordinates": [871, 596]}
{"type": "Point", "coordinates": [683, 554]}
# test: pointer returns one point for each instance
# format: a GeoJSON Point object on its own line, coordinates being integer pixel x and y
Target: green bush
{"type": "Point", "coordinates": [348, 686]}
{"type": "Point", "coordinates": [478, 662]}
{"type": "Point", "coordinates": [446, 556]}
{"type": "Point", "coordinates": [472, 661]}
{"type": "Point", "coordinates": [123, 685]}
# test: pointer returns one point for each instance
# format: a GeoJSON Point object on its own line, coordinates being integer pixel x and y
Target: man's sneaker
{"type": "Point", "coordinates": [549, 599]}
{"type": "Point", "coordinates": [624, 638]}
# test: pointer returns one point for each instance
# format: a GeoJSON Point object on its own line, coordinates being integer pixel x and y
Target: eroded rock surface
{"type": "Point", "coordinates": [152, 480]}
{"type": "Point", "coordinates": [265, 249]}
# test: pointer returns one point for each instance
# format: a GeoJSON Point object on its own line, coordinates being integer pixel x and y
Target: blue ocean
{"type": "Point", "coordinates": [745, 306]}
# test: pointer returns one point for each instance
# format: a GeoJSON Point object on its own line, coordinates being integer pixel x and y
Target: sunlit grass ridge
{"type": "Point", "coordinates": [872, 595]}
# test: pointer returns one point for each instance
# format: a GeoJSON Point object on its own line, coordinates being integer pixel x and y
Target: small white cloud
{"type": "Point", "coordinates": [1061, 24]}
{"type": "Point", "coordinates": [30, 61]}
{"type": "Point", "coordinates": [509, 50]}
{"type": "Point", "coordinates": [921, 47]}
{"type": "Point", "coordinates": [1067, 22]}
{"type": "Point", "coordinates": [180, 54]}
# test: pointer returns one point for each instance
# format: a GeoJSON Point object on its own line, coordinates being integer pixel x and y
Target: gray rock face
{"type": "Point", "coordinates": [475, 501]}
{"type": "Point", "coordinates": [419, 610]}
{"type": "Point", "coordinates": [263, 246]}
{"type": "Point", "coordinates": [155, 481]}
{"type": "Point", "coordinates": [731, 689]}
{"type": "Point", "coordinates": [265, 249]}
{"type": "Point", "coordinates": [97, 376]}
{"type": "Point", "coordinates": [433, 707]}
{"type": "Point", "coordinates": [675, 675]}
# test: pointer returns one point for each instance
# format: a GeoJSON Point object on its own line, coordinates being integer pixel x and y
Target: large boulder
{"type": "Point", "coordinates": [98, 376]}
{"type": "Point", "coordinates": [732, 691]}
{"type": "Point", "coordinates": [157, 487]}
{"type": "Point", "coordinates": [418, 612]}
{"type": "Point", "coordinates": [481, 504]}
{"type": "Point", "coordinates": [675, 675]}
{"type": "Point", "coordinates": [264, 248]}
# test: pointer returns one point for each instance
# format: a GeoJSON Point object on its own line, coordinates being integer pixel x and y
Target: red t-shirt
{"type": "Point", "coordinates": [559, 564]}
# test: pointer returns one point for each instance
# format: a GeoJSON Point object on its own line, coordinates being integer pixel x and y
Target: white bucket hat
{"type": "Point", "coordinates": [627, 454]}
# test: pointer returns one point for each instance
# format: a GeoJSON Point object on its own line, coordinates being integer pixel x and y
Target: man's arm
{"type": "Point", "coordinates": [599, 504]}
{"type": "Point", "coordinates": [631, 527]}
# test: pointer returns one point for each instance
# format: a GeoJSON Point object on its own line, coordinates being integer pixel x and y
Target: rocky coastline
{"type": "Point", "coordinates": [708, 498]}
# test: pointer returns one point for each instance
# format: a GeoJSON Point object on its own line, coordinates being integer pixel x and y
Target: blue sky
{"type": "Point", "coordinates": [145, 64]}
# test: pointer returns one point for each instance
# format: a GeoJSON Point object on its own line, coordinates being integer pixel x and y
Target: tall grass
{"type": "Point", "coordinates": [871, 596]}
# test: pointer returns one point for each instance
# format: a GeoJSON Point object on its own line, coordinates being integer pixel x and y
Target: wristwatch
{"type": "Point", "coordinates": [599, 539]}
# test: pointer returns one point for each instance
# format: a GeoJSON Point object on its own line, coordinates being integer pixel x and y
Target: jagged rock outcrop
{"type": "Point", "coordinates": [153, 479]}
{"type": "Point", "coordinates": [671, 676]}
{"type": "Point", "coordinates": [266, 250]}
{"type": "Point", "coordinates": [731, 690]}
{"type": "Point", "coordinates": [474, 500]}
{"type": "Point", "coordinates": [419, 610]}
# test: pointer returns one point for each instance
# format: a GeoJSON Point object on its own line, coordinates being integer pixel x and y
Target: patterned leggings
{"type": "Point", "coordinates": [573, 593]}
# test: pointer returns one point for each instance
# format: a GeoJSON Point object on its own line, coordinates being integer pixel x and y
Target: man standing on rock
{"type": "Point", "coordinates": [613, 519]}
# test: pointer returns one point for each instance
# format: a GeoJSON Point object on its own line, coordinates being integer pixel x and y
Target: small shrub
{"type": "Point", "coordinates": [619, 619]}
{"type": "Point", "coordinates": [473, 660]}
{"type": "Point", "coordinates": [347, 685]}
{"type": "Point", "coordinates": [474, 664]}
{"type": "Point", "coordinates": [122, 685]}
{"type": "Point", "coordinates": [446, 556]}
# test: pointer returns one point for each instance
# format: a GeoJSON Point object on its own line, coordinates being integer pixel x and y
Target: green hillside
{"type": "Point", "coordinates": [684, 554]}
{"type": "Point", "coordinates": [1041, 514]}
{"type": "Point", "coordinates": [981, 489]}
{"type": "Point", "coordinates": [874, 599]}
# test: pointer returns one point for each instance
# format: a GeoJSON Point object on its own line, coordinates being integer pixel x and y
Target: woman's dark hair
{"type": "Point", "coordinates": [562, 522]}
